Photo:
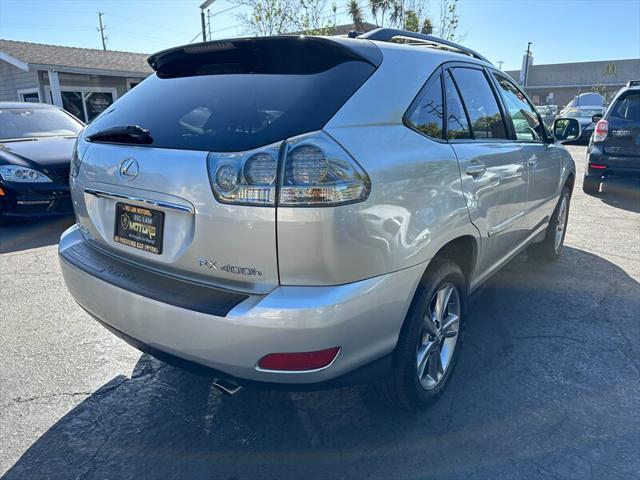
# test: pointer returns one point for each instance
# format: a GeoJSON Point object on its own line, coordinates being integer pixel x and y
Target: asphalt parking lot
{"type": "Point", "coordinates": [548, 384]}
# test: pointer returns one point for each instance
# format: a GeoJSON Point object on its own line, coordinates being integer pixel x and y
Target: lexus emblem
{"type": "Point", "coordinates": [129, 169]}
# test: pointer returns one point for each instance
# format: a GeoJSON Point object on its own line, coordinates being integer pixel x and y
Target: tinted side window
{"type": "Point", "coordinates": [482, 107]}
{"type": "Point", "coordinates": [457, 123]}
{"type": "Point", "coordinates": [427, 112]}
{"type": "Point", "coordinates": [525, 120]}
{"type": "Point", "coordinates": [627, 108]}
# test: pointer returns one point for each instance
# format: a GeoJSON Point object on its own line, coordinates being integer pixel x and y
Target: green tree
{"type": "Point", "coordinates": [411, 21]}
{"type": "Point", "coordinates": [312, 18]}
{"type": "Point", "coordinates": [427, 26]}
{"type": "Point", "coordinates": [380, 7]}
{"type": "Point", "coordinates": [449, 19]}
{"type": "Point", "coordinates": [355, 12]}
{"type": "Point", "coordinates": [268, 17]}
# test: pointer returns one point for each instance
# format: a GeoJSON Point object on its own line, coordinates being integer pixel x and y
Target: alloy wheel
{"type": "Point", "coordinates": [561, 224]}
{"type": "Point", "coordinates": [438, 336]}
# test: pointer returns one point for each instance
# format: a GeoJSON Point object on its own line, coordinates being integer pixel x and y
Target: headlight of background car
{"type": "Point", "coordinates": [15, 173]}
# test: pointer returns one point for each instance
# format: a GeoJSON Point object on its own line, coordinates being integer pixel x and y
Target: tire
{"type": "Point", "coordinates": [551, 247]}
{"type": "Point", "coordinates": [403, 388]}
{"type": "Point", "coordinates": [591, 185]}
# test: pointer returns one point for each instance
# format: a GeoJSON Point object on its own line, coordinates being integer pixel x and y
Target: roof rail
{"type": "Point", "coordinates": [387, 34]}
{"type": "Point", "coordinates": [633, 83]}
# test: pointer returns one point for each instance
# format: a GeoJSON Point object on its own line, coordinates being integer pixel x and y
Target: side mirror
{"type": "Point", "coordinates": [596, 118]}
{"type": "Point", "coordinates": [566, 129]}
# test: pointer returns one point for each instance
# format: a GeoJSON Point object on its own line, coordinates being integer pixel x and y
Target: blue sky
{"type": "Point", "coordinates": [561, 30]}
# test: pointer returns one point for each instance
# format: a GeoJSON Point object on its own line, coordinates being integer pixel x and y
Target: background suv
{"type": "Point", "coordinates": [304, 212]}
{"type": "Point", "coordinates": [614, 149]}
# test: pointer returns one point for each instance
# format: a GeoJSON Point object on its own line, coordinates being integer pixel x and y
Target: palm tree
{"type": "Point", "coordinates": [382, 7]}
{"type": "Point", "coordinates": [355, 12]}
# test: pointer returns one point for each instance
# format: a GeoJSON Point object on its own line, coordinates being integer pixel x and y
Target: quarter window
{"type": "Point", "coordinates": [525, 120]}
{"type": "Point", "coordinates": [427, 113]}
{"type": "Point", "coordinates": [480, 102]}
{"type": "Point", "coordinates": [457, 123]}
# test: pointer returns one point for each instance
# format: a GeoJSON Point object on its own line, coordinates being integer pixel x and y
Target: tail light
{"type": "Point", "coordinates": [309, 170]}
{"type": "Point", "coordinates": [601, 131]}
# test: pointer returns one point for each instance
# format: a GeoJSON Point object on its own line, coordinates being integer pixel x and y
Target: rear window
{"type": "Point", "coordinates": [627, 108]}
{"type": "Point", "coordinates": [235, 111]}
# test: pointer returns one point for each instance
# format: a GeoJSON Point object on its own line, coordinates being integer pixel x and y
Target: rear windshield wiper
{"type": "Point", "coordinates": [122, 134]}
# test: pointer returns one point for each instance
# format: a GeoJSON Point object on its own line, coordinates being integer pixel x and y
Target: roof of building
{"type": "Point", "coordinates": [65, 58]}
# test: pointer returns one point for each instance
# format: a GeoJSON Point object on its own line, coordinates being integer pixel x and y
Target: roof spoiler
{"type": "Point", "coordinates": [289, 54]}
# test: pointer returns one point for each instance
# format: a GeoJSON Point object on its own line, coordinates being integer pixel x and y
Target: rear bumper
{"type": "Point", "coordinates": [601, 165]}
{"type": "Point", "coordinates": [363, 318]}
{"type": "Point", "coordinates": [34, 200]}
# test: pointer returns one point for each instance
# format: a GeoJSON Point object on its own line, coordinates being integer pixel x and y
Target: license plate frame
{"type": "Point", "coordinates": [138, 227]}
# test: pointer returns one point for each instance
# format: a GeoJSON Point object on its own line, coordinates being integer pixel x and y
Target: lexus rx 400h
{"type": "Point", "coordinates": [307, 212]}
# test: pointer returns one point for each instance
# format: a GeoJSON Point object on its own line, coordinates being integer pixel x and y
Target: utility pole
{"type": "Point", "coordinates": [209, 23]}
{"type": "Point", "coordinates": [101, 29]}
{"type": "Point", "coordinates": [204, 5]}
{"type": "Point", "coordinates": [526, 65]}
{"type": "Point", "coordinates": [500, 62]}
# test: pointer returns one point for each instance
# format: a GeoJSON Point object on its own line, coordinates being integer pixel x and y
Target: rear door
{"type": "Point", "coordinates": [491, 163]}
{"type": "Point", "coordinates": [622, 145]}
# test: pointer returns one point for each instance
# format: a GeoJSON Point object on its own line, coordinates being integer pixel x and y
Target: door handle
{"type": "Point", "coordinates": [475, 169]}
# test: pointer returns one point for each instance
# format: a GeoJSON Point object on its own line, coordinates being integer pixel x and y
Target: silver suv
{"type": "Point", "coordinates": [306, 212]}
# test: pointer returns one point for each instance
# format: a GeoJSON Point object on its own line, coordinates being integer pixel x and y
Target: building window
{"type": "Point", "coordinates": [30, 95]}
{"type": "Point", "coordinates": [86, 103]}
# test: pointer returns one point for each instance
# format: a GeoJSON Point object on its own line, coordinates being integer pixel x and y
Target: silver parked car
{"type": "Point", "coordinates": [306, 212]}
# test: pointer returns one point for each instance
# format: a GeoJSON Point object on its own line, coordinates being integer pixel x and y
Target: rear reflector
{"type": "Point", "coordinates": [300, 361]}
{"type": "Point", "coordinates": [592, 165]}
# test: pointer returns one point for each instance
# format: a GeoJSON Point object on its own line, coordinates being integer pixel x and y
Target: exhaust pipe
{"type": "Point", "coordinates": [227, 387]}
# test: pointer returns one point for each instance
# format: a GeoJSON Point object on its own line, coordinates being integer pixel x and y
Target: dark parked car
{"type": "Point", "coordinates": [36, 144]}
{"type": "Point", "coordinates": [584, 115]}
{"type": "Point", "coordinates": [615, 146]}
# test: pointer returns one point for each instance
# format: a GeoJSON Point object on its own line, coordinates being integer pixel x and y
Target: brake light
{"type": "Point", "coordinates": [299, 361]}
{"type": "Point", "coordinates": [601, 131]}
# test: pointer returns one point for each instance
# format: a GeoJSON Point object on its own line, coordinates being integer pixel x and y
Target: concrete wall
{"type": "Point", "coordinates": [566, 80]}
{"type": "Point", "coordinates": [583, 73]}
{"type": "Point", "coordinates": [13, 79]}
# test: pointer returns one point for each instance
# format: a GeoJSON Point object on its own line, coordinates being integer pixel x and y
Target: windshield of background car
{"type": "Point", "coordinates": [36, 122]}
{"type": "Point", "coordinates": [627, 108]}
{"type": "Point", "coordinates": [234, 112]}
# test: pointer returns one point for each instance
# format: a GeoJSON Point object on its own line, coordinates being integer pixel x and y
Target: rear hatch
{"type": "Point", "coordinates": [623, 139]}
{"type": "Point", "coordinates": [143, 190]}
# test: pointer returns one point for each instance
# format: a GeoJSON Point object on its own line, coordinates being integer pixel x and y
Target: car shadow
{"type": "Point", "coordinates": [24, 235]}
{"type": "Point", "coordinates": [623, 193]}
{"type": "Point", "coordinates": [538, 391]}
